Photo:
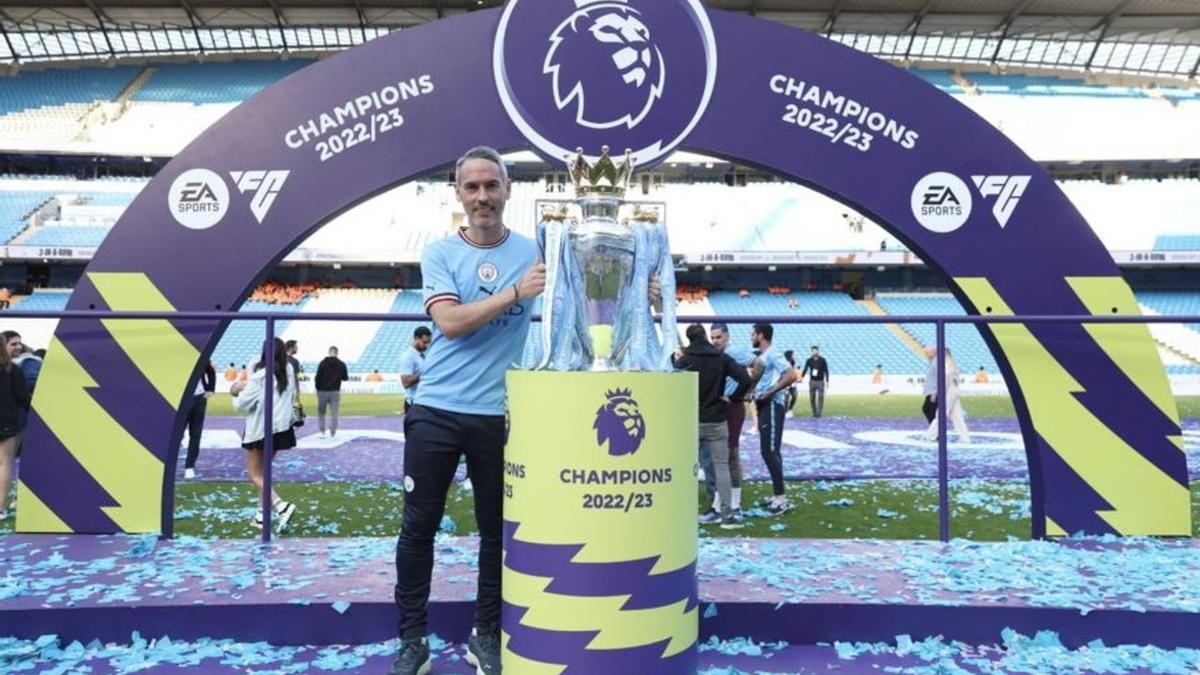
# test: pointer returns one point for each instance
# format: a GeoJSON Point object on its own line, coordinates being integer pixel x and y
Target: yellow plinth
{"type": "Point", "coordinates": [600, 531]}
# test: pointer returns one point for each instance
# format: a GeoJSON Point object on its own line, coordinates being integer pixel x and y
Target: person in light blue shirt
{"type": "Point", "coordinates": [777, 375]}
{"type": "Point", "coordinates": [479, 286]}
{"type": "Point", "coordinates": [735, 413]}
{"type": "Point", "coordinates": [412, 363]}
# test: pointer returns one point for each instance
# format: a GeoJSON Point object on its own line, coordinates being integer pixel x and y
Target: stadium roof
{"type": "Point", "coordinates": [1154, 38]}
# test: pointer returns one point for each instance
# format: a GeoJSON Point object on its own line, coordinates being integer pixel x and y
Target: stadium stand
{"type": "Point", "coordinates": [392, 338]}
{"type": "Point", "coordinates": [1177, 242]}
{"type": "Point", "coordinates": [37, 332]}
{"type": "Point", "coordinates": [15, 208]}
{"type": "Point", "coordinates": [850, 349]}
{"type": "Point", "coordinates": [965, 342]}
{"type": "Point", "coordinates": [350, 337]}
{"type": "Point", "coordinates": [214, 82]}
{"type": "Point", "coordinates": [243, 340]}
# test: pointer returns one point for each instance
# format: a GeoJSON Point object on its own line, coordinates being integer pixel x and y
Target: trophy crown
{"type": "Point", "coordinates": [604, 178]}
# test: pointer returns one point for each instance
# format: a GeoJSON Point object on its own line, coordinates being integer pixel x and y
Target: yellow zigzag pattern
{"type": "Point", "coordinates": [1145, 500]}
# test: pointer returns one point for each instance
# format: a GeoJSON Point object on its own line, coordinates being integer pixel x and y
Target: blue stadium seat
{"type": "Point", "coordinates": [14, 208]}
{"type": "Point", "coordinates": [65, 235]}
{"type": "Point", "coordinates": [965, 342]}
{"type": "Point", "coordinates": [243, 340]}
{"type": "Point", "coordinates": [850, 349]}
{"type": "Point", "coordinates": [1177, 242]}
{"type": "Point", "coordinates": [54, 87]}
{"type": "Point", "coordinates": [226, 82]}
{"type": "Point", "coordinates": [393, 338]}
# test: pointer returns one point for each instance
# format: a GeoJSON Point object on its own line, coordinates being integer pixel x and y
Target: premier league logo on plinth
{"type": "Point", "coordinates": [600, 269]}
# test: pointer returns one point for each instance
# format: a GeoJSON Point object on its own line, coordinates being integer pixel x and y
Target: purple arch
{"type": "Point", "coordinates": [1123, 471]}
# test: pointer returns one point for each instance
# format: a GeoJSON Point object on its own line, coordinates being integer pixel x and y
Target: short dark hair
{"type": "Point", "coordinates": [790, 356]}
{"type": "Point", "coordinates": [10, 334]}
{"type": "Point", "coordinates": [289, 344]}
{"type": "Point", "coordinates": [480, 152]}
{"type": "Point", "coordinates": [766, 330]}
{"type": "Point", "coordinates": [721, 326]}
{"type": "Point", "coordinates": [814, 347]}
{"type": "Point", "coordinates": [333, 348]}
{"type": "Point", "coordinates": [695, 333]}
{"type": "Point", "coordinates": [422, 331]}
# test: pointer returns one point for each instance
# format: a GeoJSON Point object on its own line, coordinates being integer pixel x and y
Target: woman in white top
{"type": "Point", "coordinates": [248, 397]}
{"type": "Point", "coordinates": [954, 410]}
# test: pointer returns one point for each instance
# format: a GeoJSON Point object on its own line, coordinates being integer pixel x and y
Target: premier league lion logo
{"type": "Point", "coordinates": [619, 423]}
{"type": "Point", "coordinates": [601, 60]}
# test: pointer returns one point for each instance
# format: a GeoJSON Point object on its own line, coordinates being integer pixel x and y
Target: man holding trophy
{"type": "Point", "coordinates": [479, 287]}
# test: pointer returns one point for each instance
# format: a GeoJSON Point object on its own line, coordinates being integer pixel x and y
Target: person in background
{"type": "Point", "coordinates": [981, 376]}
{"type": "Point", "coordinates": [331, 373]}
{"type": "Point", "coordinates": [413, 362]}
{"type": "Point", "coordinates": [713, 367]}
{"type": "Point", "coordinates": [197, 406]}
{"type": "Point", "coordinates": [231, 373]}
{"type": "Point", "coordinates": [877, 374]}
{"type": "Point", "coordinates": [374, 376]}
{"type": "Point", "coordinates": [929, 387]}
{"type": "Point", "coordinates": [955, 413]}
{"type": "Point", "coordinates": [248, 398]}
{"type": "Point", "coordinates": [735, 415]}
{"type": "Point", "coordinates": [791, 394]}
{"type": "Point", "coordinates": [14, 402]}
{"type": "Point", "coordinates": [244, 375]}
{"type": "Point", "coordinates": [293, 348]}
{"type": "Point", "coordinates": [818, 368]}
{"type": "Point", "coordinates": [777, 376]}
{"type": "Point", "coordinates": [5, 297]}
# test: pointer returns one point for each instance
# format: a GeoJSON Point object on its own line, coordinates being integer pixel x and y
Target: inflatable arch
{"type": "Point", "coordinates": [1100, 425]}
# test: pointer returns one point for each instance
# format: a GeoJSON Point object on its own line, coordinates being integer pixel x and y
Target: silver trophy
{"type": "Point", "coordinates": [596, 312]}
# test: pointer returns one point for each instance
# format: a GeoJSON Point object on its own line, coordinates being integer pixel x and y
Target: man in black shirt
{"type": "Point", "coordinates": [713, 366]}
{"type": "Point", "coordinates": [331, 373]}
{"type": "Point", "coordinates": [819, 368]}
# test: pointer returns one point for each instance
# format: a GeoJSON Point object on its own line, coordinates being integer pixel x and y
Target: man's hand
{"type": "Point", "coordinates": [655, 295]}
{"type": "Point", "coordinates": [208, 394]}
{"type": "Point", "coordinates": [533, 283]}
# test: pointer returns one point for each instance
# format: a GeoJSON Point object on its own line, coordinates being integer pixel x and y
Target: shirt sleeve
{"type": "Point", "coordinates": [438, 280]}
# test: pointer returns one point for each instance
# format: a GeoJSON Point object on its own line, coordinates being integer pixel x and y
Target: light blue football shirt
{"type": "Point", "coordinates": [774, 368]}
{"type": "Point", "coordinates": [744, 357]}
{"type": "Point", "coordinates": [411, 363]}
{"type": "Point", "coordinates": [466, 374]}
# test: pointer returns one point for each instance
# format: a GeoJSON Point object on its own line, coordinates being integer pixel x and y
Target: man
{"type": "Point", "coordinates": [818, 367]}
{"type": "Point", "coordinates": [981, 376]}
{"type": "Point", "coordinates": [412, 363]}
{"type": "Point", "coordinates": [777, 376]}
{"type": "Point", "coordinates": [293, 348]}
{"type": "Point", "coordinates": [735, 415]}
{"type": "Point", "coordinates": [714, 366]}
{"type": "Point", "coordinates": [231, 373]}
{"type": "Point", "coordinates": [929, 390]}
{"type": "Point", "coordinates": [479, 290]}
{"type": "Point", "coordinates": [197, 406]}
{"type": "Point", "coordinates": [331, 373]}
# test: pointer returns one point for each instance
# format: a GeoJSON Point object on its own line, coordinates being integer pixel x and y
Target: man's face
{"type": "Point", "coordinates": [756, 339]}
{"type": "Point", "coordinates": [333, 353]}
{"type": "Point", "coordinates": [422, 343]}
{"type": "Point", "coordinates": [483, 191]}
{"type": "Point", "coordinates": [14, 347]}
{"type": "Point", "coordinates": [816, 352]}
{"type": "Point", "coordinates": [291, 351]}
{"type": "Point", "coordinates": [720, 339]}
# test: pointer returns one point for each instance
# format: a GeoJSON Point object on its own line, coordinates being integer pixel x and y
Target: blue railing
{"type": "Point", "coordinates": [939, 322]}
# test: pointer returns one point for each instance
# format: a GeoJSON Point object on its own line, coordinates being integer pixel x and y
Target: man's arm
{"type": "Point", "coordinates": [456, 320]}
{"type": "Point", "coordinates": [785, 381]}
{"type": "Point", "coordinates": [345, 371]}
{"type": "Point", "coordinates": [739, 375]}
{"type": "Point", "coordinates": [805, 371]}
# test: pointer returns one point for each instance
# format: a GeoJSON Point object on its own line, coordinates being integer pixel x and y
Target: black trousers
{"type": "Point", "coordinates": [433, 442]}
{"type": "Point", "coordinates": [770, 437]}
{"type": "Point", "coordinates": [929, 409]}
{"type": "Point", "coordinates": [195, 421]}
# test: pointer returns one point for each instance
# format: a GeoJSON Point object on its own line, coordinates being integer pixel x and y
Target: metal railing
{"type": "Point", "coordinates": [940, 323]}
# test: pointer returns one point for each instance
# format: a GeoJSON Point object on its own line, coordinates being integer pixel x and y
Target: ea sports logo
{"type": "Point", "coordinates": [605, 47]}
{"type": "Point", "coordinates": [634, 74]}
{"type": "Point", "coordinates": [941, 202]}
{"type": "Point", "coordinates": [198, 199]}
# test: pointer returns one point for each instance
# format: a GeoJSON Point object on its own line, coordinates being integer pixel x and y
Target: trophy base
{"type": "Point", "coordinates": [600, 486]}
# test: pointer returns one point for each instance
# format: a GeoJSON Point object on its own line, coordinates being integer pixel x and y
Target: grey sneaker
{"type": "Point", "coordinates": [709, 517]}
{"type": "Point", "coordinates": [284, 510]}
{"type": "Point", "coordinates": [412, 659]}
{"type": "Point", "coordinates": [732, 522]}
{"type": "Point", "coordinates": [483, 652]}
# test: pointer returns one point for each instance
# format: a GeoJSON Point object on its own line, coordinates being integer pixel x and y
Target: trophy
{"type": "Point", "coordinates": [596, 311]}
